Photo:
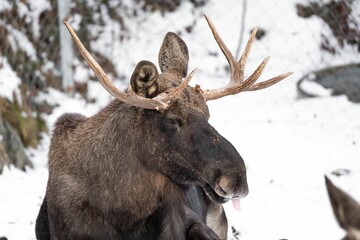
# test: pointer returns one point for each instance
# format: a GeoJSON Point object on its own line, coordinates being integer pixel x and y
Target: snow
{"type": "Point", "coordinates": [81, 73]}
{"type": "Point", "coordinates": [288, 144]}
{"type": "Point", "coordinates": [36, 8]}
{"type": "Point", "coordinates": [9, 81]}
{"type": "Point", "coordinates": [4, 5]}
{"type": "Point", "coordinates": [314, 89]}
{"type": "Point", "coordinates": [18, 39]}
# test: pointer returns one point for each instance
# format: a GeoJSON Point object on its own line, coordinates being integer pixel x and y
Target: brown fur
{"type": "Point", "coordinates": [126, 172]}
{"type": "Point", "coordinates": [346, 210]}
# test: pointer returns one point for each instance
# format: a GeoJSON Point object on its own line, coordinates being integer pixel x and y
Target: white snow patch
{"type": "Point", "coordinates": [36, 8]}
{"type": "Point", "coordinates": [9, 81]}
{"type": "Point", "coordinates": [22, 9]}
{"type": "Point", "coordinates": [315, 89]}
{"type": "Point", "coordinates": [19, 39]}
{"type": "Point", "coordinates": [5, 5]}
{"type": "Point", "coordinates": [48, 66]}
{"type": "Point", "coordinates": [81, 74]}
{"type": "Point", "coordinates": [75, 21]}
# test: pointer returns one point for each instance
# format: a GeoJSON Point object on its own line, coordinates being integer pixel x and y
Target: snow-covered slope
{"type": "Point", "coordinates": [288, 144]}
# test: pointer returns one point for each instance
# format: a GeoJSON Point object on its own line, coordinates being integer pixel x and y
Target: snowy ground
{"type": "Point", "coordinates": [288, 144]}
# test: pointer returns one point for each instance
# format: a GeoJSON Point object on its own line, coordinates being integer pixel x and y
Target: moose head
{"type": "Point", "coordinates": [187, 149]}
{"type": "Point", "coordinates": [117, 173]}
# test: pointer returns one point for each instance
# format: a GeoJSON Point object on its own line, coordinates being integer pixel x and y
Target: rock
{"type": "Point", "coordinates": [4, 158]}
{"type": "Point", "coordinates": [11, 147]}
{"type": "Point", "coordinates": [339, 80]}
{"type": "Point", "coordinates": [341, 172]}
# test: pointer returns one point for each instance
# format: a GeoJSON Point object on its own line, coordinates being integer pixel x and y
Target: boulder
{"type": "Point", "coordinates": [11, 147]}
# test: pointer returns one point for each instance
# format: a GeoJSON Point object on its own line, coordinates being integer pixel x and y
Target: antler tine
{"type": "Point", "coordinates": [159, 103]}
{"type": "Point", "coordinates": [91, 61]}
{"type": "Point", "coordinates": [237, 68]}
{"type": "Point", "coordinates": [255, 75]}
{"type": "Point", "coordinates": [171, 96]}
{"type": "Point", "coordinates": [246, 53]}
{"type": "Point", "coordinates": [229, 57]}
{"type": "Point", "coordinates": [269, 82]}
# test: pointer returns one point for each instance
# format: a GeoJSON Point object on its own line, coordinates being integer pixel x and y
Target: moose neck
{"type": "Point", "coordinates": [121, 156]}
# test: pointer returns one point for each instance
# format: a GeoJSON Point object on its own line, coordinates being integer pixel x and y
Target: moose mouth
{"type": "Point", "coordinates": [213, 195]}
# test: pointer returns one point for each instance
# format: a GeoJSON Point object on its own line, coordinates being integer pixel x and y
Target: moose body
{"type": "Point", "coordinates": [123, 194]}
{"type": "Point", "coordinates": [148, 165]}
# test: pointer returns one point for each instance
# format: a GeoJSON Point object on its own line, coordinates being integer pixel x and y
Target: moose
{"type": "Point", "coordinates": [148, 165]}
{"type": "Point", "coordinates": [346, 210]}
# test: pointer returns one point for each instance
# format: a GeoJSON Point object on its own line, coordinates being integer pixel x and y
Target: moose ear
{"type": "Point", "coordinates": [346, 209]}
{"type": "Point", "coordinates": [144, 79]}
{"type": "Point", "coordinates": [174, 54]}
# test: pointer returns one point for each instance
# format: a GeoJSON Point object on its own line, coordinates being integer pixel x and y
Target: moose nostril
{"type": "Point", "coordinates": [224, 184]}
{"type": "Point", "coordinates": [227, 188]}
{"type": "Point", "coordinates": [222, 190]}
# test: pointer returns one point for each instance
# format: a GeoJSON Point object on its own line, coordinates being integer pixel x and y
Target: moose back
{"type": "Point", "coordinates": [148, 165]}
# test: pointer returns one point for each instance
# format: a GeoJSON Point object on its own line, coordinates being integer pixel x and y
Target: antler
{"type": "Point", "coordinates": [160, 102]}
{"type": "Point", "coordinates": [237, 68]}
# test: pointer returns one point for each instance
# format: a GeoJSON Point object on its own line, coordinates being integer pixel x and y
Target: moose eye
{"type": "Point", "coordinates": [171, 123]}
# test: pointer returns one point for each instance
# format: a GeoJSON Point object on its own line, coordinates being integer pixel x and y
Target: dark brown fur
{"type": "Point", "coordinates": [132, 173]}
{"type": "Point", "coordinates": [346, 210]}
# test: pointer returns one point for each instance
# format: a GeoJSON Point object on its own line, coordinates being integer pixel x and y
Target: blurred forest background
{"type": "Point", "coordinates": [30, 46]}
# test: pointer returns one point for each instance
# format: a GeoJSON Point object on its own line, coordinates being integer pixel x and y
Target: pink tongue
{"type": "Point", "coordinates": [236, 203]}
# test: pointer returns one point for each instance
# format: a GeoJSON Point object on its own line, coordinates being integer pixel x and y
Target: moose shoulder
{"type": "Point", "coordinates": [148, 165]}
